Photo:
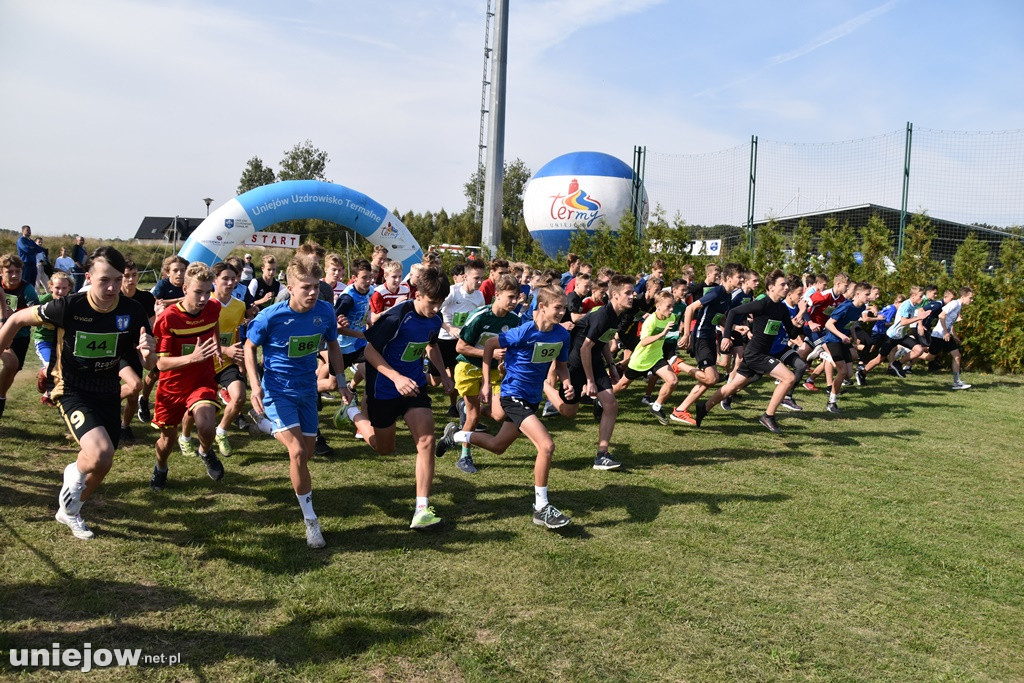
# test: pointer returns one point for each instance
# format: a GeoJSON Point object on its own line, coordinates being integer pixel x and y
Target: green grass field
{"type": "Point", "coordinates": [885, 543]}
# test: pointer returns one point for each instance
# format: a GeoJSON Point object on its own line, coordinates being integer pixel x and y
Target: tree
{"type": "Point", "coordinates": [255, 175]}
{"type": "Point", "coordinates": [304, 162]}
{"type": "Point", "coordinates": [515, 176]}
{"type": "Point", "coordinates": [768, 252]}
{"type": "Point", "coordinates": [915, 264]}
{"type": "Point", "coordinates": [969, 262]}
{"type": "Point", "coordinates": [803, 244]}
{"type": "Point", "coordinates": [875, 247]}
{"type": "Point", "coordinates": [837, 246]}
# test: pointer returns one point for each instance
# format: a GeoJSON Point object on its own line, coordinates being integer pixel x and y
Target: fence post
{"type": "Point", "coordinates": [639, 166]}
{"type": "Point", "coordinates": [906, 187]}
{"type": "Point", "coordinates": [750, 191]}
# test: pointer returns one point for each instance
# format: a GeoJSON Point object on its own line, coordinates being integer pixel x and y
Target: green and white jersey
{"type": "Point", "coordinates": [480, 326]}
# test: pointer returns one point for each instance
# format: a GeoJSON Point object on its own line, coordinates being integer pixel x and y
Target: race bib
{"type": "Point", "coordinates": [414, 351]}
{"type": "Point", "coordinates": [607, 336]}
{"type": "Point", "coordinates": [772, 327]}
{"type": "Point", "coordinates": [829, 309]}
{"type": "Point", "coordinates": [303, 346]}
{"type": "Point", "coordinates": [12, 301]}
{"type": "Point", "coordinates": [459, 319]}
{"type": "Point", "coordinates": [717, 320]}
{"type": "Point", "coordinates": [545, 353]}
{"type": "Point", "coordinates": [708, 289]}
{"type": "Point", "coordinates": [95, 344]}
{"type": "Point", "coordinates": [225, 338]}
{"type": "Point", "coordinates": [484, 336]}
{"type": "Point", "coordinates": [188, 349]}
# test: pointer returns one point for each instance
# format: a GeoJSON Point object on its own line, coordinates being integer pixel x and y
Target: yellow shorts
{"type": "Point", "coordinates": [469, 377]}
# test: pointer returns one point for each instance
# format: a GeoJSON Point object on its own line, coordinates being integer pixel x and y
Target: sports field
{"type": "Point", "coordinates": [883, 543]}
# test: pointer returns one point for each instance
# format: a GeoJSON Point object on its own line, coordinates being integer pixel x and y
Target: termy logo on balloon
{"type": "Point", "coordinates": [575, 206]}
{"type": "Point", "coordinates": [389, 231]}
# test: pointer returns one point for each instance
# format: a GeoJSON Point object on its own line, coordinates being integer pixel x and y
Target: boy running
{"type": "Point", "coordinates": [186, 343]}
{"type": "Point", "coordinates": [943, 338]}
{"type": "Point", "coordinates": [839, 337]}
{"type": "Point", "coordinates": [528, 352]}
{"type": "Point", "coordinates": [483, 324]}
{"type": "Point", "coordinates": [100, 328]}
{"type": "Point", "coordinates": [290, 333]}
{"type": "Point", "coordinates": [462, 299]}
{"type": "Point", "coordinates": [649, 357]}
{"type": "Point", "coordinates": [17, 295]}
{"type": "Point", "coordinates": [396, 382]}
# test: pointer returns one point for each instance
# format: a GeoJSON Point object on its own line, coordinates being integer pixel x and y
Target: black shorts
{"type": "Point", "coordinates": [517, 409]}
{"type": "Point", "coordinates": [632, 374]}
{"type": "Point", "coordinates": [383, 413]}
{"type": "Point", "coordinates": [578, 379]}
{"type": "Point", "coordinates": [940, 346]}
{"type": "Point", "coordinates": [629, 340]}
{"type": "Point", "coordinates": [839, 352]}
{"type": "Point", "coordinates": [738, 340]}
{"type": "Point", "coordinates": [85, 412]}
{"type": "Point", "coordinates": [448, 355]}
{"type": "Point", "coordinates": [705, 351]}
{"type": "Point", "coordinates": [910, 341]}
{"type": "Point", "coordinates": [19, 345]}
{"type": "Point", "coordinates": [754, 364]}
{"type": "Point", "coordinates": [353, 358]}
{"type": "Point", "coordinates": [228, 375]}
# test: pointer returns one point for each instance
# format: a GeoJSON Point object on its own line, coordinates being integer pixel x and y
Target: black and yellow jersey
{"type": "Point", "coordinates": [91, 344]}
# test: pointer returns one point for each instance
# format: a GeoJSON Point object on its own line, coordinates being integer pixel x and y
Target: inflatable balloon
{"type": "Point", "coordinates": [233, 223]}
{"type": "Point", "coordinates": [577, 191]}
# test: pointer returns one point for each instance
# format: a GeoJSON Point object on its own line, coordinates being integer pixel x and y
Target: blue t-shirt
{"type": "Point", "coordinates": [401, 336]}
{"type": "Point", "coordinates": [355, 307]}
{"type": "Point", "coordinates": [528, 355]}
{"type": "Point", "coordinates": [290, 342]}
{"type": "Point", "coordinates": [165, 290]}
{"type": "Point", "coordinates": [845, 315]}
{"type": "Point", "coordinates": [906, 310]}
{"type": "Point", "coordinates": [714, 306]}
{"type": "Point", "coordinates": [887, 315]}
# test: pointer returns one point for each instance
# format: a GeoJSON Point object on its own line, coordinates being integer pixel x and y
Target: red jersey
{"type": "Point", "coordinates": [383, 298]}
{"type": "Point", "coordinates": [487, 289]}
{"type": "Point", "coordinates": [177, 334]}
{"type": "Point", "coordinates": [822, 305]}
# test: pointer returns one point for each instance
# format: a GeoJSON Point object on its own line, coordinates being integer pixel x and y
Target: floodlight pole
{"type": "Point", "coordinates": [491, 232]}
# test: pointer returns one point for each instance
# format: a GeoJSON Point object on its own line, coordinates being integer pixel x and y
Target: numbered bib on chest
{"type": "Point", "coordinates": [717, 320]}
{"type": "Point", "coordinates": [95, 344]}
{"type": "Point", "coordinates": [414, 351]}
{"type": "Point", "coordinates": [12, 301]}
{"type": "Point", "coordinates": [303, 346]}
{"type": "Point", "coordinates": [225, 338]}
{"type": "Point", "coordinates": [484, 336]}
{"type": "Point", "coordinates": [459, 319]}
{"type": "Point", "coordinates": [545, 353]}
{"type": "Point", "coordinates": [772, 327]}
{"type": "Point", "coordinates": [608, 336]}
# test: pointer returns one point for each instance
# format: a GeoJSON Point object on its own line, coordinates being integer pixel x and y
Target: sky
{"type": "Point", "coordinates": [118, 109]}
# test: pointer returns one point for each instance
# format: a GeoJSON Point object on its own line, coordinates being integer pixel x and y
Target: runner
{"type": "Point", "coordinates": [100, 328]}
{"type": "Point", "coordinates": [18, 295]}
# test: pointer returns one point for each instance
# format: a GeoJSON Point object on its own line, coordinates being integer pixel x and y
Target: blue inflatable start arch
{"type": "Point", "coordinates": [233, 224]}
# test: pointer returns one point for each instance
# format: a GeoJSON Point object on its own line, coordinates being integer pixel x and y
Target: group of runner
{"type": "Point", "coordinates": [500, 346]}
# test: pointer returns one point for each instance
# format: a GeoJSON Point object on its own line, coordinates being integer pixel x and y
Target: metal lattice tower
{"type": "Point", "coordinates": [485, 92]}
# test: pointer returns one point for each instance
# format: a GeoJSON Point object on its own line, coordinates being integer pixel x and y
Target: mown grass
{"type": "Point", "coordinates": [882, 544]}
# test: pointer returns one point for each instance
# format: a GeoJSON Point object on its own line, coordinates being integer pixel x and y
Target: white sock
{"type": "Point", "coordinates": [306, 503]}
{"type": "Point", "coordinates": [352, 411]}
{"type": "Point", "coordinates": [160, 469]}
{"type": "Point", "coordinates": [184, 439]}
{"type": "Point", "coordinates": [221, 431]}
{"type": "Point", "coordinates": [655, 406]}
{"type": "Point", "coordinates": [421, 502]}
{"type": "Point", "coordinates": [540, 497]}
{"type": "Point", "coordinates": [72, 475]}
{"type": "Point", "coordinates": [461, 436]}
{"type": "Point", "coordinates": [832, 398]}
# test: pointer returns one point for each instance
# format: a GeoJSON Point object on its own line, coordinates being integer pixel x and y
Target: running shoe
{"type": "Point", "coordinates": [223, 444]}
{"type": "Point", "coordinates": [188, 446]}
{"type": "Point", "coordinates": [447, 440]}
{"type": "Point", "coordinates": [466, 464]}
{"type": "Point", "coordinates": [225, 397]}
{"type": "Point", "coordinates": [320, 446]}
{"type": "Point", "coordinates": [460, 407]}
{"type": "Point", "coordinates": [214, 468]}
{"type": "Point", "coordinates": [897, 369]}
{"type": "Point", "coordinates": [41, 381]}
{"type": "Point", "coordinates": [862, 377]}
{"type": "Point", "coordinates": [727, 403]}
{"type": "Point", "coordinates": [832, 407]}
{"type": "Point", "coordinates": [314, 534]}
{"type": "Point", "coordinates": [702, 412]}
{"type": "Point", "coordinates": [958, 386]}
{"type": "Point", "coordinates": [660, 414]}
{"type": "Point", "coordinates": [646, 401]}
{"type": "Point", "coordinates": [424, 518]}
{"type": "Point", "coordinates": [76, 524]}
{"type": "Point", "coordinates": [452, 412]}
{"type": "Point", "coordinates": [551, 517]}
{"type": "Point", "coordinates": [603, 461]}
{"type": "Point", "coordinates": [769, 423]}
{"type": "Point", "coordinates": [598, 410]}
{"type": "Point", "coordinates": [809, 385]}
{"type": "Point", "coordinates": [683, 416]}
{"type": "Point", "coordinates": [158, 481]}
{"type": "Point", "coordinates": [127, 436]}
{"type": "Point", "coordinates": [847, 383]}
{"type": "Point", "coordinates": [549, 409]}
{"type": "Point", "coordinates": [789, 404]}
{"type": "Point", "coordinates": [145, 417]}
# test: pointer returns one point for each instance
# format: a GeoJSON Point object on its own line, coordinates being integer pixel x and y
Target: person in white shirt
{"type": "Point", "coordinates": [944, 340]}
{"type": "Point", "coordinates": [463, 299]}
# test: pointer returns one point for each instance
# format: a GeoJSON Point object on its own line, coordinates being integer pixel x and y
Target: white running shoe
{"type": "Point", "coordinates": [75, 523]}
{"type": "Point", "coordinates": [549, 410]}
{"type": "Point", "coordinates": [957, 386]}
{"type": "Point", "coordinates": [70, 498]}
{"type": "Point", "coordinates": [314, 535]}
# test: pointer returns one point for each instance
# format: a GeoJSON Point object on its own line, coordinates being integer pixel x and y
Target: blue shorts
{"type": "Point", "coordinates": [285, 412]}
{"type": "Point", "coordinates": [44, 349]}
